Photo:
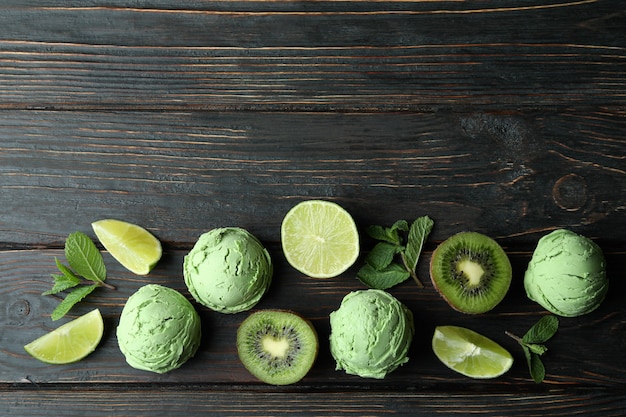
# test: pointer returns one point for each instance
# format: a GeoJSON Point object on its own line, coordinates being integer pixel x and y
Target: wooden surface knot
{"type": "Point", "coordinates": [17, 311]}
{"type": "Point", "coordinates": [570, 192]}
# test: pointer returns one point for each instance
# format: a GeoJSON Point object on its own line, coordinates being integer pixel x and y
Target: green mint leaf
{"type": "Point", "coordinates": [536, 368]}
{"type": "Point", "coordinates": [61, 283]}
{"type": "Point", "coordinates": [382, 279]}
{"type": "Point", "coordinates": [381, 256]}
{"type": "Point", "coordinates": [542, 331]}
{"type": "Point", "coordinates": [418, 233]}
{"type": "Point", "coordinates": [67, 272]}
{"type": "Point", "coordinates": [536, 348]}
{"type": "Point", "coordinates": [389, 234]}
{"type": "Point", "coordinates": [71, 299]}
{"type": "Point", "coordinates": [401, 225]}
{"type": "Point", "coordinates": [380, 233]}
{"type": "Point", "coordinates": [64, 281]}
{"type": "Point", "coordinates": [84, 257]}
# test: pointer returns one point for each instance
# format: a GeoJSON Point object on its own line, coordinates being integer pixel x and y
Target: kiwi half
{"type": "Point", "coordinates": [471, 272]}
{"type": "Point", "coordinates": [278, 347]}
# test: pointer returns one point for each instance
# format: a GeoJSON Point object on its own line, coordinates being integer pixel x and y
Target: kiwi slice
{"type": "Point", "coordinates": [278, 347]}
{"type": "Point", "coordinates": [471, 272]}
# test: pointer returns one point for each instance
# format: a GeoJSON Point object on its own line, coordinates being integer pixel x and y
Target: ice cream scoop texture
{"type": "Point", "coordinates": [371, 333]}
{"type": "Point", "coordinates": [567, 274]}
{"type": "Point", "coordinates": [228, 270]}
{"type": "Point", "coordinates": [159, 329]}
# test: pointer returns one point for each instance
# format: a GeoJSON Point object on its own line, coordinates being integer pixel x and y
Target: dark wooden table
{"type": "Point", "coordinates": [506, 117]}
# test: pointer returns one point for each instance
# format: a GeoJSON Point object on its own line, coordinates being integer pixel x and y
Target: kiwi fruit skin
{"type": "Point", "coordinates": [454, 287]}
{"type": "Point", "coordinates": [283, 328]}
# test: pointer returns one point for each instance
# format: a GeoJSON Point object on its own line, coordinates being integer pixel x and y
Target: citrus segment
{"type": "Point", "coordinates": [131, 245]}
{"type": "Point", "coordinates": [470, 353]}
{"type": "Point", "coordinates": [70, 342]}
{"type": "Point", "coordinates": [319, 238]}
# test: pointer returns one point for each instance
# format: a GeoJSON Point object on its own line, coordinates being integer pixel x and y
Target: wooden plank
{"type": "Point", "coordinates": [501, 116]}
{"type": "Point", "coordinates": [575, 358]}
{"type": "Point", "coordinates": [218, 402]}
{"type": "Point", "coordinates": [360, 56]}
{"type": "Point", "coordinates": [513, 176]}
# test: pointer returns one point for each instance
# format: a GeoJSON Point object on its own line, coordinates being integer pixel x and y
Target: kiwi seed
{"type": "Point", "coordinates": [471, 272]}
{"type": "Point", "coordinates": [278, 347]}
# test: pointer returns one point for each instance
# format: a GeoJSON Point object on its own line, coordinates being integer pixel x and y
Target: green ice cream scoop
{"type": "Point", "coordinates": [228, 270]}
{"type": "Point", "coordinates": [567, 274]}
{"type": "Point", "coordinates": [371, 333]}
{"type": "Point", "coordinates": [159, 329]}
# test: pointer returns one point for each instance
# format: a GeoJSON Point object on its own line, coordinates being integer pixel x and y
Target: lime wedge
{"type": "Point", "coordinates": [131, 245]}
{"type": "Point", "coordinates": [470, 353]}
{"type": "Point", "coordinates": [319, 238]}
{"type": "Point", "coordinates": [70, 342]}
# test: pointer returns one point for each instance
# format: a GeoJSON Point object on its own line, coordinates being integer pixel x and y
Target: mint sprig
{"type": "Point", "coordinates": [532, 344]}
{"type": "Point", "coordinates": [85, 260]}
{"type": "Point", "coordinates": [392, 261]}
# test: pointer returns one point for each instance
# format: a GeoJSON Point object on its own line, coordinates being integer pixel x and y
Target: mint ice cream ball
{"type": "Point", "coordinates": [159, 329]}
{"type": "Point", "coordinates": [371, 333]}
{"type": "Point", "coordinates": [567, 274]}
{"type": "Point", "coordinates": [228, 270]}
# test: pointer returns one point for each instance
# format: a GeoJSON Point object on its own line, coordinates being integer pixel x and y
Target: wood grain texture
{"type": "Point", "coordinates": [505, 117]}
{"type": "Point", "coordinates": [394, 56]}
{"type": "Point", "coordinates": [200, 401]}
{"type": "Point", "coordinates": [511, 175]}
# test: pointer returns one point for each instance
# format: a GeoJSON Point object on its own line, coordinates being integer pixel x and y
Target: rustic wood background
{"type": "Point", "coordinates": [506, 117]}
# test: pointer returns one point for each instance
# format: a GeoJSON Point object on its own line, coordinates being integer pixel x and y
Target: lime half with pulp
{"type": "Point", "coordinates": [319, 238]}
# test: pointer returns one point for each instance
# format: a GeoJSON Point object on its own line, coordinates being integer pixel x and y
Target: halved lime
{"type": "Point", "coordinates": [470, 353]}
{"type": "Point", "coordinates": [70, 342]}
{"type": "Point", "coordinates": [131, 245]}
{"type": "Point", "coordinates": [319, 238]}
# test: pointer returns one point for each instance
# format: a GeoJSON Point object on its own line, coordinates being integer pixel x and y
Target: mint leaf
{"type": "Point", "coordinates": [389, 234]}
{"type": "Point", "coordinates": [84, 257]}
{"type": "Point", "coordinates": [381, 256]}
{"type": "Point", "coordinates": [420, 229]}
{"type": "Point", "coordinates": [380, 233]}
{"type": "Point", "coordinates": [536, 368]}
{"type": "Point", "coordinates": [62, 283]}
{"type": "Point", "coordinates": [542, 331]}
{"type": "Point", "coordinates": [400, 225]}
{"type": "Point", "coordinates": [382, 279]}
{"type": "Point", "coordinates": [71, 299]}
{"type": "Point", "coordinates": [383, 234]}
{"type": "Point", "coordinates": [67, 272]}
{"type": "Point", "coordinates": [536, 348]}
